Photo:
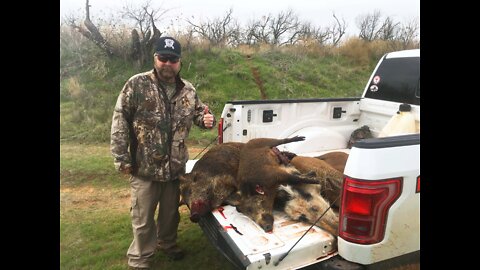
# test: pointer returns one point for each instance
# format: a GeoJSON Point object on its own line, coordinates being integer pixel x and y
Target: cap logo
{"type": "Point", "coordinates": [169, 43]}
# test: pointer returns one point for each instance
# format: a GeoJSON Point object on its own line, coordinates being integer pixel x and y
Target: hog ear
{"type": "Point", "coordinates": [259, 189]}
{"type": "Point", "coordinates": [182, 178]}
{"type": "Point", "coordinates": [181, 202]}
{"type": "Point", "coordinates": [287, 189]}
{"type": "Point", "coordinates": [185, 178]}
{"type": "Point", "coordinates": [233, 199]}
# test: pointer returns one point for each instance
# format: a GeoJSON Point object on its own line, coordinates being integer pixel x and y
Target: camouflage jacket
{"type": "Point", "coordinates": [148, 131]}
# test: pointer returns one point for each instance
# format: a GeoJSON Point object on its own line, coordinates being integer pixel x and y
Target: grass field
{"type": "Point", "coordinates": [95, 228]}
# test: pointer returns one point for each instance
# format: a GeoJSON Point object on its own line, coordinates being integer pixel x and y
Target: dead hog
{"type": "Point", "coordinates": [261, 171]}
{"type": "Point", "coordinates": [257, 205]}
{"type": "Point", "coordinates": [359, 134]}
{"type": "Point", "coordinates": [331, 180]}
{"type": "Point", "coordinates": [335, 159]}
{"type": "Point", "coordinates": [260, 165]}
{"type": "Point", "coordinates": [212, 179]}
{"type": "Point", "coordinates": [308, 202]}
{"type": "Point", "coordinates": [308, 206]}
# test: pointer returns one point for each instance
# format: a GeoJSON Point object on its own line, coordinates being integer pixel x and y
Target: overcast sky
{"type": "Point", "coordinates": [318, 12]}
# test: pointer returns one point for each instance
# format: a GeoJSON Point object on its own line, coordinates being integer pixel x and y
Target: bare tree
{"type": "Point", "coordinates": [368, 25]}
{"type": "Point", "coordinates": [409, 32]}
{"type": "Point", "coordinates": [90, 31]}
{"type": "Point", "coordinates": [337, 30]}
{"type": "Point", "coordinates": [249, 36]}
{"type": "Point", "coordinates": [144, 18]}
{"type": "Point", "coordinates": [333, 33]}
{"type": "Point", "coordinates": [219, 31]}
{"type": "Point", "coordinates": [284, 22]}
{"type": "Point", "coordinates": [388, 30]}
{"type": "Point", "coordinates": [310, 32]}
{"type": "Point", "coordinates": [257, 31]}
{"type": "Point", "coordinates": [142, 40]}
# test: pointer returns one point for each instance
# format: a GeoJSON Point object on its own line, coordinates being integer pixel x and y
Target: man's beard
{"type": "Point", "coordinates": [166, 73]}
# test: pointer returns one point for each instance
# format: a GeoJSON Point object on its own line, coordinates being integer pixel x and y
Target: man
{"type": "Point", "coordinates": [151, 121]}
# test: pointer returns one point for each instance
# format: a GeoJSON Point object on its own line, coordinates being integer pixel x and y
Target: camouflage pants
{"type": "Point", "coordinates": [145, 196]}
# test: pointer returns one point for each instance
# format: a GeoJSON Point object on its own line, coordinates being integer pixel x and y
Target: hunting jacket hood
{"type": "Point", "coordinates": [145, 122]}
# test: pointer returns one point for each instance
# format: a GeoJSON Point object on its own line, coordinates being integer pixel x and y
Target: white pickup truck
{"type": "Point", "coordinates": [379, 218]}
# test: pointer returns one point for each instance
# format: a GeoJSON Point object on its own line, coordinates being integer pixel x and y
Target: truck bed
{"type": "Point", "coordinates": [245, 244]}
{"type": "Point", "coordinates": [319, 153]}
{"type": "Point", "coordinates": [256, 249]}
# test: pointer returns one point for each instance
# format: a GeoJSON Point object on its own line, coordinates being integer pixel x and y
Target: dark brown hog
{"type": "Point", "coordinates": [261, 171]}
{"type": "Point", "coordinates": [212, 179]}
{"type": "Point", "coordinates": [260, 165]}
{"type": "Point", "coordinates": [257, 205]}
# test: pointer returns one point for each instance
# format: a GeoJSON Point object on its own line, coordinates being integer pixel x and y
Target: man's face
{"type": "Point", "coordinates": [167, 66]}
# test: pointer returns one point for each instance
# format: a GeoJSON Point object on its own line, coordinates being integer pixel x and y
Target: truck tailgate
{"type": "Point", "coordinates": [247, 246]}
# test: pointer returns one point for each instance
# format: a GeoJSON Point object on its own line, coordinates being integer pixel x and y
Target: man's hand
{"type": "Point", "coordinates": [207, 118]}
{"type": "Point", "coordinates": [126, 169]}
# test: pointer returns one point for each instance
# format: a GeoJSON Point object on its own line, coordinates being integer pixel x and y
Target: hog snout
{"type": "Point", "coordinates": [198, 209]}
{"type": "Point", "coordinates": [267, 222]}
{"type": "Point", "coordinates": [267, 227]}
{"type": "Point", "coordinates": [195, 217]}
{"type": "Point", "coordinates": [303, 218]}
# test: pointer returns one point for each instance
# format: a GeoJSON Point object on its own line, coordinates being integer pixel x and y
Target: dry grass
{"type": "Point", "coordinates": [356, 49]}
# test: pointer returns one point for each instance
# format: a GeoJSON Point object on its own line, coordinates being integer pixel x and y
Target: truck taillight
{"type": "Point", "coordinates": [418, 185]}
{"type": "Point", "coordinates": [220, 131]}
{"type": "Point", "coordinates": [364, 210]}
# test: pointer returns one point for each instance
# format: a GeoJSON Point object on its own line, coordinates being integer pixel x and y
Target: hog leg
{"type": "Point", "coordinates": [289, 140]}
{"type": "Point", "coordinates": [269, 142]}
{"type": "Point", "coordinates": [289, 175]}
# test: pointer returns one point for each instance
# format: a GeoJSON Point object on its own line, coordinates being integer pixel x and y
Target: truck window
{"type": "Point", "coordinates": [397, 80]}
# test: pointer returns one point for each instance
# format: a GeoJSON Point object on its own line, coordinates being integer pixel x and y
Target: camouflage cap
{"type": "Point", "coordinates": [168, 45]}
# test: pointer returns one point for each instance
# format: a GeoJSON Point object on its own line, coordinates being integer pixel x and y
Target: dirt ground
{"type": "Point", "coordinates": [93, 198]}
{"type": "Point", "coordinates": [89, 197]}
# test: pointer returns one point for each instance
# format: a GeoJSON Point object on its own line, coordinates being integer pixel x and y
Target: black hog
{"type": "Point", "coordinates": [261, 171]}
{"type": "Point", "coordinates": [212, 179]}
{"type": "Point", "coordinates": [260, 165]}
